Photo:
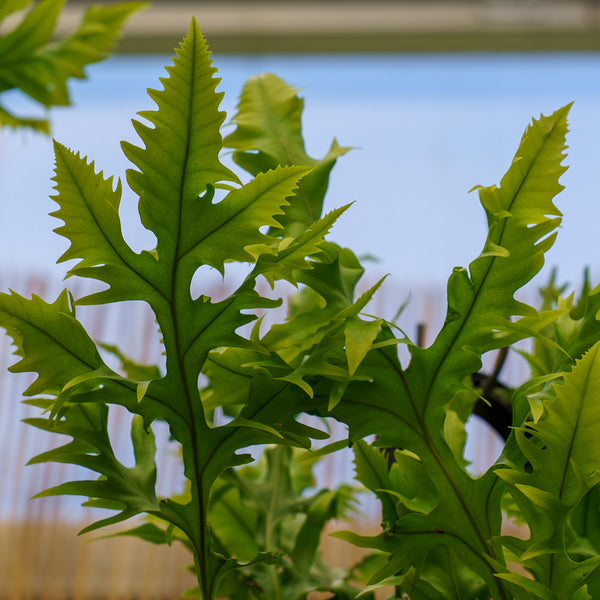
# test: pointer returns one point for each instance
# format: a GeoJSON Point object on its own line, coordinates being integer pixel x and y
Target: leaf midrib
{"type": "Point", "coordinates": [566, 467]}
{"type": "Point", "coordinates": [465, 320]}
{"type": "Point", "coordinates": [201, 546]}
{"type": "Point", "coordinates": [478, 291]}
{"type": "Point", "coordinates": [232, 217]}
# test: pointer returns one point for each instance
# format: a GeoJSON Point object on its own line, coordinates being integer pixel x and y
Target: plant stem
{"type": "Point", "coordinates": [269, 524]}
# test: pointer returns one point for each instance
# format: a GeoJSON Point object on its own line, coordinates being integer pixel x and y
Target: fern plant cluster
{"type": "Point", "coordinates": [253, 529]}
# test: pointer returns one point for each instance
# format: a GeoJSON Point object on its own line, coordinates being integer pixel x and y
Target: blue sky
{"type": "Point", "coordinates": [425, 129]}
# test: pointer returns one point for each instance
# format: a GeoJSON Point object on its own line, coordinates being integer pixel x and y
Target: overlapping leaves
{"type": "Point", "coordinates": [562, 459]}
{"type": "Point", "coordinates": [441, 526]}
{"type": "Point", "coordinates": [177, 170]}
{"type": "Point", "coordinates": [407, 408]}
{"type": "Point", "coordinates": [267, 506]}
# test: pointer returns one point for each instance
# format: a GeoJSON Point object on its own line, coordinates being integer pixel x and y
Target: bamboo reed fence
{"type": "Point", "coordinates": [42, 558]}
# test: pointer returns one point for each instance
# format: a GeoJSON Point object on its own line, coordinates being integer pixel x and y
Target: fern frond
{"type": "Point", "coordinates": [40, 67]}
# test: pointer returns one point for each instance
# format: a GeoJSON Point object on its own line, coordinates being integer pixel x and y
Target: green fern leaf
{"type": "Point", "coordinates": [130, 490]}
{"type": "Point", "coordinates": [372, 470]}
{"type": "Point", "coordinates": [10, 120]}
{"type": "Point", "coordinates": [31, 34]}
{"type": "Point", "coordinates": [234, 521]}
{"type": "Point", "coordinates": [229, 378]}
{"type": "Point", "coordinates": [269, 120]}
{"type": "Point", "coordinates": [40, 330]}
{"type": "Point", "coordinates": [39, 67]}
{"type": "Point", "coordinates": [133, 369]}
{"type": "Point", "coordinates": [263, 505]}
{"type": "Point", "coordinates": [89, 208]}
{"type": "Point", "coordinates": [575, 332]}
{"type": "Point", "coordinates": [522, 220]}
{"type": "Point", "coordinates": [406, 408]}
{"type": "Point", "coordinates": [334, 275]}
{"type": "Point", "coordinates": [91, 41]}
{"type": "Point", "coordinates": [291, 255]}
{"type": "Point", "coordinates": [177, 171]}
{"type": "Point", "coordinates": [12, 6]}
{"type": "Point", "coordinates": [269, 134]}
{"type": "Point", "coordinates": [179, 159]}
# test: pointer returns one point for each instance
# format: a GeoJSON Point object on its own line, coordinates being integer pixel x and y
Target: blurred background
{"type": "Point", "coordinates": [432, 95]}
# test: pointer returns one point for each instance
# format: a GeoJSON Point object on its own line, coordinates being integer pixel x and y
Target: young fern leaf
{"type": "Point", "coordinates": [269, 134]}
{"type": "Point", "coordinates": [288, 259]}
{"type": "Point", "coordinates": [323, 345]}
{"type": "Point", "coordinates": [566, 339]}
{"type": "Point", "coordinates": [261, 506]}
{"type": "Point", "coordinates": [407, 408]}
{"type": "Point", "coordinates": [575, 331]}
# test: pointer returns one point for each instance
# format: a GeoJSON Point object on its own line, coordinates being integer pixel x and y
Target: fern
{"type": "Point", "coordinates": [266, 506]}
{"type": "Point", "coordinates": [408, 407]}
{"type": "Point", "coordinates": [177, 169]}
{"type": "Point", "coordinates": [562, 467]}
{"type": "Point", "coordinates": [441, 526]}
{"type": "Point", "coordinates": [269, 133]}
{"type": "Point", "coordinates": [33, 62]}
{"type": "Point", "coordinates": [249, 533]}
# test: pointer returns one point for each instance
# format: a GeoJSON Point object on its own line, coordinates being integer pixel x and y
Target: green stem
{"type": "Point", "coordinates": [269, 521]}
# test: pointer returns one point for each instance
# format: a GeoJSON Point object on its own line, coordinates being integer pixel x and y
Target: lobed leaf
{"type": "Point", "coordinates": [130, 490]}
{"type": "Point", "coordinates": [89, 208]}
{"type": "Point", "coordinates": [406, 408]}
{"type": "Point", "coordinates": [40, 330]}
{"type": "Point", "coordinates": [177, 169]}
{"type": "Point", "coordinates": [268, 134]}
{"type": "Point", "coordinates": [179, 159]}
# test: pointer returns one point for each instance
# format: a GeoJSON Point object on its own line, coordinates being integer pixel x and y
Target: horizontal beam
{"type": "Point", "coordinates": [377, 26]}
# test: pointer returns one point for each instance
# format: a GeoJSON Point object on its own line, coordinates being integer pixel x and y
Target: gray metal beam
{"type": "Point", "coordinates": [375, 26]}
